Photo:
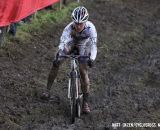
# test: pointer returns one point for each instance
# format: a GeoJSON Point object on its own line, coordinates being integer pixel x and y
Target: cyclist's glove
{"type": "Point", "coordinates": [60, 52]}
{"type": "Point", "coordinates": [90, 63]}
{"type": "Point", "coordinates": [56, 61]}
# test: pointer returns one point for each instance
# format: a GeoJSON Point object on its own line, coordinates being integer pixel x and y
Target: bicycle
{"type": "Point", "coordinates": [74, 85]}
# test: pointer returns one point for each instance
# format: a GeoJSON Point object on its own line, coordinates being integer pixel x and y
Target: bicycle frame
{"type": "Point", "coordinates": [74, 68]}
{"type": "Point", "coordinates": [74, 85]}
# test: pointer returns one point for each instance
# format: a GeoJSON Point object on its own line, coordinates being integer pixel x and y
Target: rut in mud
{"type": "Point", "coordinates": [125, 80]}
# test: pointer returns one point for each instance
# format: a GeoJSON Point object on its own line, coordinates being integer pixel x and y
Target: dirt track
{"type": "Point", "coordinates": [125, 79]}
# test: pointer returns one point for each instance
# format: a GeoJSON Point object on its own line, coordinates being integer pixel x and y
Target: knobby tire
{"type": "Point", "coordinates": [73, 97]}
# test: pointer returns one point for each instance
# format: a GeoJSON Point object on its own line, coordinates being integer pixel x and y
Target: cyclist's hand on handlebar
{"type": "Point", "coordinates": [90, 63]}
{"type": "Point", "coordinates": [56, 61]}
{"type": "Point", "coordinates": [60, 52]}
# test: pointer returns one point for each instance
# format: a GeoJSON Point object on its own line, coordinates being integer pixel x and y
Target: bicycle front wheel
{"type": "Point", "coordinates": [73, 97]}
{"type": "Point", "coordinates": [78, 107]}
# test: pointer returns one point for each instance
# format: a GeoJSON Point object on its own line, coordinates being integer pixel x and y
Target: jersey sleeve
{"type": "Point", "coordinates": [93, 38]}
{"type": "Point", "coordinates": [65, 37]}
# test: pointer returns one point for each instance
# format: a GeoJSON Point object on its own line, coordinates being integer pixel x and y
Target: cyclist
{"type": "Point", "coordinates": [80, 34]}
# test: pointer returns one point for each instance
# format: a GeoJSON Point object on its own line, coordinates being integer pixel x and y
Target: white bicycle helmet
{"type": "Point", "coordinates": [80, 15]}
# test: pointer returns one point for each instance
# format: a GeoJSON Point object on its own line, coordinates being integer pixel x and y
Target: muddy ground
{"type": "Point", "coordinates": [125, 80]}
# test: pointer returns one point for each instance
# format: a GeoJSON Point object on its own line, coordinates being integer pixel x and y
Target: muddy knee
{"type": "Point", "coordinates": [85, 84]}
{"type": "Point", "coordinates": [84, 79]}
{"type": "Point", "coordinates": [53, 74]}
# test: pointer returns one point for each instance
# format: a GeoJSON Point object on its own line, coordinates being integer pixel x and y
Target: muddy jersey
{"type": "Point", "coordinates": [87, 37]}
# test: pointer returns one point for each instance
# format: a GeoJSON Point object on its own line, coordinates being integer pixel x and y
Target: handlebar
{"type": "Point", "coordinates": [74, 56]}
